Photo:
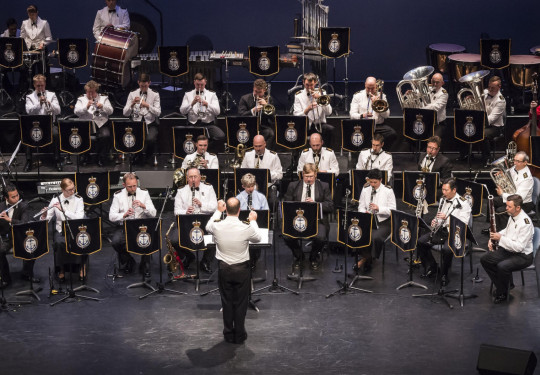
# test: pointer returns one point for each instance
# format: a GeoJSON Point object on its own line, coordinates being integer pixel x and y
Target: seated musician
{"type": "Point", "coordinates": [496, 112]}
{"type": "Point", "coordinates": [514, 251]}
{"type": "Point", "coordinates": [43, 102]}
{"type": "Point", "coordinates": [305, 104]}
{"type": "Point", "coordinates": [194, 198]}
{"type": "Point", "coordinates": [12, 31]}
{"type": "Point", "coordinates": [253, 103]}
{"type": "Point", "coordinates": [377, 199]}
{"type": "Point", "coordinates": [111, 15]}
{"type": "Point", "coordinates": [96, 108]}
{"type": "Point", "coordinates": [309, 189]}
{"type": "Point", "coordinates": [375, 157]}
{"type": "Point", "coordinates": [144, 105]}
{"type": "Point", "coordinates": [201, 158]}
{"type": "Point", "coordinates": [201, 106]}
{"type": "Point", "coordinates": [324, 158]}
{"type": "Point", "coordinates": [439, 98]}
{"type": "Point", "coordinates": [361, 108]}
{"type": "Point", "coordinates": [131, 202]}
{"type": "Point", "coordinates": [17, 215]}
{"type": "Point", "coordinates": [523, 180]}
{"type": "Point", "coordinates": [251, 199]}
{"type": "Point", "coordinates": [36, 33]}
{"type": "Point", "coordinates": [70, 205]}
{"type": "Point", "coordinates": [451, 204]}
{"type": "Point", "coordinates": [433, 161]}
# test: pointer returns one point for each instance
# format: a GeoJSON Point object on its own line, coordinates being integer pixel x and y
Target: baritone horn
{"type": "Point", "coordinates": [473, 101]}
{"type": "Point", "coordinates": [380, 105]}
{"type": "Point", "coordinates": [417, 78]}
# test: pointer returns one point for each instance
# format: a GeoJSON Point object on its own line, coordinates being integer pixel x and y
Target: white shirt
{"type": "Point", "coordinates": [463, 213]}
{"type": "Point", "coordinates": [270, 160]}
{"type": "Point", "coordinates": [150, 114]}
{"type": "Point", "coordinates": [305, 190]}
{"type": "Point", "coordinates": [122, 202]}
{"type": "Point", "coordinates": [212, 159]}
{"type": "Point", "coordinates": [438, 103]}
{"type": "Point", "coordinates": [5, 34]}
{"type": "Point", "coordinates": [73, 207]}
{"type": "Point", "coordinates": [205, 194]}
{"type": "Point", "coordinates": [495, 108]}
{"type": "Point", "coordinates": [426, 163]}
{"type": "Point", "coordinates": [258, 200]}
{"type": "Point", "coordinates": [209, 113]}
{"type": "Point", "coordinates": [232, 237]}
{"type": "Point", "coordinates": [317, 115]}
{"type": "Point", "coordinates": [327, 160]}
{"type": "Point", "coordinates": [368, 161]}
{"type": "Point", "coordinates": [361, 104]}
{"type": "Point", "coordinates": [33, 35]}
{"type": "Point", "coordinates": [119, 19]}
{"type": "Point", "coordinates": [518, 235]}
{"type": "Point", "coordinates": [524, 182]}
{"type": "Point", "coordinates": [384, 198]}
{"type": "Point", "coordinates": [88, 114]}
{"type": "Point", "coordinates": [35, 107]}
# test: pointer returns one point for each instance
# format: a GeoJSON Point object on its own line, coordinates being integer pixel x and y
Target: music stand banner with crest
{"type": "Point", "coordinates": [291, 131]}
{"type": "Point", "coordinates": [212, 177]}
{"type": "Point", "coordinates": [86, 236]}
{"type": "Point", "coordinates": [358, 229]}
{"type": "Point", "coordinates": [359, 180]}
{"type": "Point", "coordinates": [262, 178]}
{"type": "Point", "coordinates": [72, 53]}
{"type": "Point", "coordinates": [334, 42]}
{"type": "Point", "coordinates": [36, 130]}
{"type": "Point", "coordinates": [356, 134]}
{"type": "Point", "coordinates": [300, 219]}
{"type": "Point", "coordinates": [473, 192]}
{"type": "Point", "coordinates": [191, 231]}
{"type": "Point", "coordinates": [142, 238]}
{"type": "Point", "coordinates": [469, 125]}
{"type": "Point", "coordinates": [241, 130]}
{"type": "Point", "coordinates": [457, 237]}
{"type": "Point", "coordinates": [404, 230]}
{"type": "Point", "coordinates": [75, 136]}
{"type": "Point", "coordinates": [420, 185]}
{"type": "Point", "coordinates": [128, 136]}
{"type": "Point", "coordinates": [11, 52]}
{"type": "Point", "coordinates": [263, 217]}
{"type": "Point", "coordinates": [419, 124]}
{"type": "Point", "coordinates": [263, 61]}
{"type": "Point", "coordinates": [185, 139]}
{"type": "Point", "coordinates": [94, 188]}
{"type": "Point", "coordinates": [173, 61]}
{"type": "Point", "coordinates": [495, 53]}
{"type": "Point", "coordinates": [30, 240]}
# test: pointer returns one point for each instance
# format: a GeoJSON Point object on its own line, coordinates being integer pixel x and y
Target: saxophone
{"type": "Point", "coordinates": [170, 258]}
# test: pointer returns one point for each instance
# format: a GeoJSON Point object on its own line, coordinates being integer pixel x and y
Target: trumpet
{"type": "Point", "coordinates": [268, 109]}
{"type": "Point", "coordinates": [137, 108]}
{"type": "Point", "coordinates": [196, 208]}
{"type": "Point", "coordinates": [201, 112]}
{"type": "Point", "coordinates": [380, 105]}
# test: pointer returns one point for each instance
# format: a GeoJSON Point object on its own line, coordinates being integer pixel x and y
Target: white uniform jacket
{"type": "Point", "coordinates": [148, 114]}
{"type": "Point", "coordinates": [211, 158]}
{"type": "Point", "coordinates": [73, 207]}
{"type": "Point", "coordinates": [383, 161]}
{"type": "Point", "coordinates": [317, 115]}
{"type": "Point", "coordinates": [184, 199]}
{"type": "Point", "coordinates": [524, 182]}
{"type": "Point", "coordinates": [34, 34]}
{"type": "Point", "coordinates": [327, 160]}
{"type": "Point", "coordinates": [384, 198]}
{"type": "Point", "coordinates": [495, 108]}
{"type": "Point", "coordinates": [361, 104]}
{"type": "Point", "coordinates": [88, 114]}
{"type": "Point", "coordinates": [462, 210]}
{"type": "Point", "coordinates": [119, 18]}
{"type": "Point", "coordinates": [438, 103]}
{"type": "Point", "coordinates": [123, 202]}
{"type": "Point", "coordinates": [35, 107]}
{"type": "Point", "coordinates": [518, 235]}
{"type": "Point", "coordinates": [270, 160]}
{"type": "Point", "coordinates": [209, 113]}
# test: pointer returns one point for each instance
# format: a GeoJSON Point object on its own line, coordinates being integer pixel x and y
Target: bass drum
{"type": "Point", "coordinates": [112, 53]}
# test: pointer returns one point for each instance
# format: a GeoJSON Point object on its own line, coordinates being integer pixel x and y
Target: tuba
{"type": "Point", "coordinates": [417, 78]}
{"type": "Point", "coordinates": [475, 81]}
{"type": "Point", "coordinates": [501, 176]}
{"type": "Point", "coordinates": [380, 105]}
{"type": "Point", "coordinates": [238, 156]}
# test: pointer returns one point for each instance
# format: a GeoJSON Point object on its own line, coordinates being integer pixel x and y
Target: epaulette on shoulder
{"type": "Point", "coordinates": [501, 97]}
{"type": "Point", "coordinates": [206, 183]}
{"type": "Point", "coordinates": [245, 222]}
{"type": "Point", "coordinates": [444, 91]}
{"type": "Point", "coordinates": [525, 175]}
{"type": "Point", "coordinates": [78, 196]}
{"type": "Point", "coordinates": [143, 189]}
{"type": "Point", "coordinates": [463, 199]}
{"type": "Point", "coordinates": [358, 92]}
{"type": "Point", "coordinates": [210, 90]}
{"type": "Point", "coordinates": [305, 150]}
{"type": "Point", "coordinates": [298, 92]}
{"type": "Point", "coordinates": [388, 186]}
{"type": "Point", "coordinates": [118, 192]}
{"type": "Point", "coordinates": [329, 149]}
{"type": "Point", "coordinates": [364, 149]}
{"type": "Point", "coordinates": [273, 152]}
{"type": "Point", "coordinates": [212, 154]}
{"type": "Point", "coordinates": [217, 220]}
{"type": "Point", "coordinates": [81, 95]}
{"type": "Point", "coordinates": [527, 221]}
{"type": "Point", "coordinates": [389, 153]}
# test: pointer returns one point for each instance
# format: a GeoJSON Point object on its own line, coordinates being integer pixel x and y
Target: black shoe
{"type": "Point", "coordinates": [445, 280]}
{"type": "Point", "coordinates": [296, 264]}
{"type": "Point", "coordinates": [205, 266]}
{"type": "Point", "coordinates": [27, 166]}
{"type": "Point", "coordinates": [485, 231]}
{"type": "Point", "coordinates": [429, 273]}
{"type": "Point", "coordinates": [68, 160]}
{"type": "Point", "coordinates": [500, 298]}
{"type": "Point", "coordinates": [59, 166]}
{"type": "Point", "coordinates": [129, 266]}
{"type": "Point", "coordinates": [315, 265]}
{"type": "Point", "coordinates": [35, 280]}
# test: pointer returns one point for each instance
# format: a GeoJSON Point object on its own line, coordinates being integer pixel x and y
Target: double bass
{"type": "Point", "coordinates": [523, 134]}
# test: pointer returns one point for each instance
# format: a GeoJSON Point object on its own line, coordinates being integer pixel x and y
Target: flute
{"type": "Point", "coordinates": [9, 208]}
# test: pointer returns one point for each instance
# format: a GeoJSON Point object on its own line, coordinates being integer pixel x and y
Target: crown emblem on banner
{"type": "Point", "coordinates": [242, 125]}
{"type": "Point", "coordinates": [300, 212]}
{"type": "Point", "coordinates": [468, 190]}
{"type": "Point", "coordinates": [143, 228]}
{"type": "Point", "coordinates": [469, 118]}
{"type": "Point", "coordinates": [404, 223]}
{"type": "Point", "coordinates": [30, 232]}
{"type": "Point", "coordinates": [334, 35]}
{"type": "Point", "coordinates": [74, 130]}
{"type": "Point", "coordinates": [196, 224]}
{"type": "Point", "coordinates": [35, 123]}
{"type": "Point", "coordinates": [419, 117]}
{"type": "Point", "coordinates": [129, 129]}
{"type": "Point", "coordinates": [83, 228]}
{"type": "Point", "coordinates": [92, 180]}
{"type": "Point", "coordinates": [355, 221]}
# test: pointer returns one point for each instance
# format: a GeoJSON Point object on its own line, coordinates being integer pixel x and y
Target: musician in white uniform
{"type": "Point", "coordinates": [324, 158]}
{"type": "Point", "coordinates": [194, 198]}
{"type": "Point", "coordinates": [96, 108]}
{"type": "Point", "coordinates": [515, 249]}
{"type": "Point", "coordinates": [144, 105]}
{"type": "Point", "coordinates": [43, 102]}
{"type": "Point", "coordinates": [375, 157]}
{"type": "Point", "coordinates": [376, 199]}
{"type": "Point", "coordinates": [36, 33]}
{"type": "Point", "coordinates": [232, 238]}
{"type": "Point", "coordinates": [496, 112]}
{"type": "Point", "coordinates": [131, 202]}
{"type": "Point", "coordinates": [72, 206]}
{"type": "Point", "coordinates": [110, 15]}
{"type": "Point", "coordinates": [305, 104]}
{"type": "Point", "coordinates": [361, 108]}
{"type": "Point", "coordinates": [439, 97]}
{"type": "Point", "coordinates": [450, 204]}
{"type": "Point", "coordinates": [201, 106]}
{"type": "Point", "coordinates": [205, 159]}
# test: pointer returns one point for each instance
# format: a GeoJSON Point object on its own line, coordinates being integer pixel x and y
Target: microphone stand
{"type": "Point", "coordinates": [160, 285]}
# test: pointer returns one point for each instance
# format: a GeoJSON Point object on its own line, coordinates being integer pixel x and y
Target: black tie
{"type": "Point", "coordinates": [66, 202]}
{"type": "Point", "coordinates": [308, 194]}
{"type": "Point", "coordinates": [431, 158]}
{"type": "Point", "coordinates": [196, 188]}
{"type": "Point", "coordinates": [33, 24]}
{"type": "Point", "coordinates": [250, 201]}
{"type": "Point", "coordinates": [449, 201]}
{"type": "Point", "coordinates": [131, 194]}
{"type": "Point", "coordinates": [112, 10]}
{"type": "Point", "coordinates": [490, 96]}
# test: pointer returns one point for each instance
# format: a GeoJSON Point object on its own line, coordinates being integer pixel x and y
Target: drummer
{"type": "Point", "coordinates": [111, 15]}
{"type": "Point", "coordinates": [36, 34]}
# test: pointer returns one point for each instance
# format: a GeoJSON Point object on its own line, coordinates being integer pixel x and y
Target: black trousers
{"type": "Point", "coordinates": [501, 218]}
{"type": "Point", "coordinates": [103, 144]}
{"type": "Point", "coordinates": [489, 134]}
{"type": "Point", "coordinates": [388, 133]}
{"type": "Point", "coordinates": [119, 245]}
{"type": "Point", "coordinates": [151, 140]}
{"type": "Point", "coordinates": [442, 130]}
{"type": "Point", "coordinates": [316, 246]}
{"type": "Point", "coordinates": [500, 264]}
{"type": "Point", "coordinates": [234, 287]}
{"type": "Point", "coordinates": [424, 251]}
{"type": "Point", "coordinates": [63, 258]}
{"type": "Point", "coordinates": [378, 236]}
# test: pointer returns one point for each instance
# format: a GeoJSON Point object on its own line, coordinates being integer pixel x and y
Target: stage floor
{"type": "Point", "coordinates": [384, 332]}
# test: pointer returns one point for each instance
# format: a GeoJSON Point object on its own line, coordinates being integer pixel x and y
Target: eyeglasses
{"type": "Point", "coordinates": [519, 161]}
{"type": "Point", "coordinates": [71, 190]}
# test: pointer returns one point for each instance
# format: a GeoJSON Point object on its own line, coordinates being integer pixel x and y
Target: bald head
{"type": "Point", "coordinates": [437, 81]}
{"type": "Point", "coordinates": [259, 144]}
{"type": "Point", "coordinates": [233, 207]}
{"type": "Point", "coordinates": [315, 142]}
{"type": "Point", "coordinates": [371, 85]}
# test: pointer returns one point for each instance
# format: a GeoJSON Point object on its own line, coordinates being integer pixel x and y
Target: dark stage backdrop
{"type": "Point", "coordinates": [387, 37]}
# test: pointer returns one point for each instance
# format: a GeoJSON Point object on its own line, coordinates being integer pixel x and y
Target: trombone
{"type": "Point", "coordinates": [380, 105]}
{"type": "Point", "coordinates": [322, 99]}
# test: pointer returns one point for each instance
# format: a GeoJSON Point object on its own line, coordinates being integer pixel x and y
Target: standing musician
{"type": "Point", "coordinates": [96, 108]}
{"type": "Point", "coordinates": [252, 104]}
{"type": "Point", "coordinates": [8, 218]}
{"type": "Point", "coordinates": [324, 158]}
{"type": "Point", "coordinates": [514, 251]}
{"type": "Point", "coordinates": [144, 105]}
{"type": "Point", "coordinates": [376, 199]}
{"type": "Point", "coordinates": [309, 189]}
{"type": "Point", "coordinates": [43, 102]}
{"type": "Point", "coordinates": [70, 205]}
{"type": "Point", "coordinates": [523, 179]}
{"type": "Point", "coordinates": [232, 238]}
{"type": "Point", "coordinates": [361, 108]}
{"type": "Point", "coordinates": [194, 198]}
{"type": "Point", "coordinates": [496, 111]}
{"type": "Point", "coordinates": [131, 202]}
{"type": "Point", "coordinates": [201, 158]}
{"type": "Point", "coordinates": [111, 15]}
{"type": "Point", "coordinates": [201, 106]}
{"type": "Point", "coordinates": [36, 33]}
{"type": "Point", "coordinates": [375, 157]}
{"type": "Point", "coordinates": [453, 204]}
{"type": "Point", "coordinates": [433, 161]}
{"type": "Point", "coordinates": [306, 104]}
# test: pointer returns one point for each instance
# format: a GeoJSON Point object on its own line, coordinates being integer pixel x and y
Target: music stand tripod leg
{"type": "Point", "coordinates": [411, 283]}
{"type": "Point", "coordinates": [461, 297]}
{"type": "Point", "coordinates": [161, 285]}
{"type": "Point", "coordinates": [31, 291]}
{"type": "Point", "coordinates": [197, 280]}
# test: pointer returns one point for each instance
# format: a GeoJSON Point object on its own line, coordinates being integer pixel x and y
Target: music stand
{"type": "Point", "coordinates": [75, 137]}
{"type": "Point", "coordinates": [419, 125]}
{"type": "Point", "coordinates": [473, 192]}
{"type": "Point", "coordinates": [129, 138]}
{"type": "Point", "coordinates": [356, 134]}
{"type": "Point", "coordinates": [11, 57]}
{"type": "Point", "coordinates": [36, 132]}
{"type": "Point", "coordinates": [212, 177]}
{"type": "Point", "coordinates": [291, 133]}
{"type": "Point", "coordinates": [167, 124]}
{"type": "Point", "coordinates": [72, 54]}
{"type": "Point", "coordinates": [173, 62]}
{"type": "Point", "coordinates": [469, 127]}
{"type": "Point", "coordinates": [359, 179]}
{"type": "Point", "coordinates": [241, 130]}
{"type": "Point", "coordinates": [262, 178]}
{"type": "Point", "coordinates": [184, 139]}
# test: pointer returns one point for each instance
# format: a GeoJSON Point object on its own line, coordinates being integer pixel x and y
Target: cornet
{"type": "Point", "coordinates": [202, 109]}
{"type": "Point", "coordinates": [43, 97]}
{"type": "Point", "coordinates": [137, 108]}
{"type": "Point", "coordinates": [196, 208]}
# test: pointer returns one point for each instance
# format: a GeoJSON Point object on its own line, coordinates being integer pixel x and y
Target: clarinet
{"type": "Point", "coordinates": [492, 222]}
{"type": "Point", "coordinates": [373, 192]}
{"type": "Point", "coordinates": [250, 202]}
{"type": "Point", "coordinates": [420, 205]}
{"type": "Point", "coordinates": [196, 208]}
{"type": "Point", "coordinates": [435, 228]}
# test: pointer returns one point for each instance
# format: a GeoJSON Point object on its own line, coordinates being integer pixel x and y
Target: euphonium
{"type": "Point", "coordinates": [419, 96]}
{"type": "Point", "coordinates": [170, 258]}
{"type": "Point", "coordinates": [380, 105]}
{"type": "Point", "coordinates": [475, 81]}
{"type": "Point", "coordinates": [501, 176]}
